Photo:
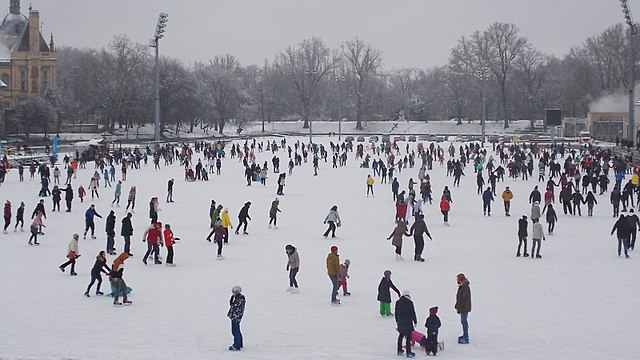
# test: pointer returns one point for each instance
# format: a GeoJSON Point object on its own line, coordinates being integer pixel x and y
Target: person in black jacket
{"type": "Point", "coordinates": [56, 197]}
{"type": "Point", "coordinates": [615, 201]}
{"type": "Point", "coordinates": [237, 305]}
{"type": "Point", "coordinates": [433, 325]}
{"type": "Point", "coordinates": [590, 200]}
{"type": "Point", "coordinates": [405, 319]}
{"type": "Point", "coordinates": [68, 196]}
{"type": "Point", "coordinates": [551, 218]}
{"type": "Point", "coordinates": [99, 267]}
{"type": "Point", "coordinates": [522, 235]}
{"type": "Point", "coordinates": [417, 230]}
{"type": "Point", "coordinates": [384, 293]}
{"type": "Point", "coordinates": [565, 199]}
{"type": "Point", "coordinates": [127, 232]}
{"type": "Point", "coordinates": [170, 191]}
{"type": "Point", "coordinates": [535, 195]}
{"type": "Point", "coordinates": [110, 229]}
{"type": "Point", "coordinates": [577, 200]}
{"type": "Point", "coordinates": [242, 217]}
{"type": "Point", "coordinates": [623, 232]}
{"type": "Point", "coordinates": [634, 224]}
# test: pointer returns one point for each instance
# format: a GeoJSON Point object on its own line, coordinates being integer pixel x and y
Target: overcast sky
{"type": "Point", "coordinates": [410, 33]}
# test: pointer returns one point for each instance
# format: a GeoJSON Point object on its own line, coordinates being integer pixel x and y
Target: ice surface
{"type": "Point", "coordinates": [578, 302]}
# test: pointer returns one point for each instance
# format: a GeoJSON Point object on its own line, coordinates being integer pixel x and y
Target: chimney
{"type": "Point", "coordinates": [34, 31]}
{"type": "Point", "coordinates": [14, 7]}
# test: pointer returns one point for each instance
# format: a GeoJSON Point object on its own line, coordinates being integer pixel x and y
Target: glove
{"type": "Point", "coordinates": [287, 268]}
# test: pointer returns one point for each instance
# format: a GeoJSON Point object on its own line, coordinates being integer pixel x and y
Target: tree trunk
{"type": "Point", "coordinates": [503, 93]}
{"type": "Point", "coordinates": [358, 112]}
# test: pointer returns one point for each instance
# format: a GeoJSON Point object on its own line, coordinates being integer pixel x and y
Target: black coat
{"type": "Point", "coordinates": [405, 314]}
{"type": "Point", "coordinates": [68, 193]}
{"type": "Point", "coordinates": [384, 292]}
{"type": "Point", "coordinates": [111, 225]}
{"type": "Point", "coordinates": [522, 227]}
{"type": "Point", "coordinates": [244, 213]}
{"type": "Point", "coordinates": [127, 228]}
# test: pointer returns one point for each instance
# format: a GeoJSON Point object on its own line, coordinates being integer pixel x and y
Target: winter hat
{"type": "Point", "coordinates": [236, 289]}
{"type": "Point", "coordinates": [433, 311]}
{"type": "Point", "coordinates": [334, 248]}
{"type": "Point", "coordinates": [387, 273]}
{"type": "Point", "coordinates": [76, 236]}
{"type": "Point", "coordinates": [461, 277]}
{"type": "Point", "coordinates": [406, 293]}
{"type": "Point", "coordinates": [347, 262]}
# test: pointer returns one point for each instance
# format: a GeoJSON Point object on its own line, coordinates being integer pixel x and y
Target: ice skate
{"type": "Point", "coordinates": [295, 291]}
{"type": "Point", "coordinates": [399, 258]}
{"type": "Point", "coordinates": [290, 289]}
{"type": "Point", "coordinates": [59, 267]}
{"type": "Point", "coordinates": [98, 293]}
{"type": "Point", "coordinates": [269, 226]}
{"type": "Point", "coordinates": [86, 294]}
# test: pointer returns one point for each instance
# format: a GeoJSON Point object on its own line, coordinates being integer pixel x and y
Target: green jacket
{"type": "Point", "coordinates": [463, 298]}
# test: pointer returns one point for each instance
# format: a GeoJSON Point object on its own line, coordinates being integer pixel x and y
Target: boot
{"type": "Point", "coordinates": [98, 292]}
{"type": "Point", "coordinates": [86, 293]}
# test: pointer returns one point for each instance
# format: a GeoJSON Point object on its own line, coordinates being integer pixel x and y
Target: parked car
{"type": "Point", "coordinates": [360, 139]}
{"type": "Point", "coordinates": [386, 138]}
{"type": "Point", "coordinates": [439, 138]}
{"type": "Point", "coordinates": [433, 137]}
{"type": "Point", "coordinates": [349, 139]}
{"type": "Point", "coordinates": [424, 137]}
{"type": "Point", "coordinates": [412, 138]}
{"type": "Point", "coordinates": [374, 138]}
{"type": "Point", "coordinates": [399, 138]}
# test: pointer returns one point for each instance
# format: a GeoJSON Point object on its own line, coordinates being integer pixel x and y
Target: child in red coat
{"type": "Point", "coordinates": [169, 241]}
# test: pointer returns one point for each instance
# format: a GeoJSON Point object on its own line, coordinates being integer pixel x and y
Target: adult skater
{"type": "Point", "coordinates": [110, 229]}
{"type": "Point", "coordinates": [370, 182]}
{"type": "Point", "coordinates": [333, 218]}
{"type": "Point", "coordinates": [243, 215]}
{"type": "Point", "coordinates": [590, 200]}
{"type": "Point", "coordinates": [93, 186]}
{"type": "Point", "coordinates": [507, 196]}
{"type": "Point", "coordinates": [577, 200]}
{"type": "Point", "coordinates": [236, 312]}
{"type": "Point", "coordinates": [405, 321]}
{"type": "Point", "coordinates": [535, 211]}
{"type": "Point", "coordinates": [20, 218]}
{"type": "Point", "coordinates": [170, 191]}
{"type": "Point", "coordinates": [88, 221]}
{"type": "Point", "coordinates": [333, 270]}
{"type": "Point", "coordinates": [615, 201]}
{"type": "Point", "coordinates": [226, 224]}
{"type": "Point", "coordinates": [397, 234]}
{"type": "Point", "coordinates": [36, 227]}
{"type": "Point", "coordinates": [281, 183]}
{"type": "Point", "coordinates": [56, 197]}
{"type": "Point", "coordinates": [463, 306]}
{"type": "Point", "coordinates": [218, 237]}
{"type": "Point", "coordinates": [131, 199]}
{"type": "Point", "coordinates": [68, 196]}
{"type": "Point", "coordinates": [99, 267]}
{"type": "Point", "coordinates": [116, 194]}
{"type": "Point", "coordinates": [535, 195]}
{"type": "Point", "coordinates": [445, 207]}
{"type": "Point", "coordinates": [487, 198]}
{"type": "Point", "coordinates": [552, 218]}
{"type": "Point", "coordinates": [73, 253]}
{"type": "Point", "coordinates": [273, 213]}
{"type": "Point", "coordinates": [523, 224]}
{"type": "Point", "coordinates": [126, 232]}
{"type": "Point", "coordinates": [623, 232]}
{"type": "Point", "coordinates": [39, 209]}
{"type": "Point", "coordinates": [153, 210]}
{"type": "Point", "coordinates": [153, 237]}
{"type": "Point", "coordinates": [419, 228]}
{"type": "Point", "coordinates": [634, 225]}
{"type": "Point", "coordinates": [7, 215]}
{"type": "Point", "coordinates": [293, 266]}
{"type": "Point", "coordinates": [116, 277]}
{"type": "Point", "coordinates": [384, 293]}
{"type": "Point", "coordinates": [537, 235]}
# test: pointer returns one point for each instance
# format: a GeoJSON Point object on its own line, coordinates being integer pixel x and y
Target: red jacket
{"type": "Point", "coordinates": [152, 236]}
{"type": "Point", "coordinates": [168, 237]}
{"type": "Point", "coordinates": [401, 209]}
{"type": "Point", "coordinates": [444, 205]}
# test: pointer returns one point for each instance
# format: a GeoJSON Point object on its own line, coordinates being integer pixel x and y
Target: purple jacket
{"type": "Point", "coordinates": [7, 211]}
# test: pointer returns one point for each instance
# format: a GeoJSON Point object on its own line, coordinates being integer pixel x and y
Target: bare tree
{"type": "Point", "coordinates": [365, 61]}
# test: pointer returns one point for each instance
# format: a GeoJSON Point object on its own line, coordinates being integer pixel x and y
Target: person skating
{"type": "Point", "coordinates": [487, 198]}
{"type": "Point", "coordinates": [523, 224]}
{"type": "Point", "coordinates": [170, 191]}
{"type": "Point", "coordinates": [88, 221]}
{"type": "Point", "coordinates": [99, 267]}
{"type": "Point", "coordinates": [7, 215]}
{"type": "Point", "coordinates": [131, 199]}
{"type": "Point", "coordinates": [333, 218]}
{"type": "Point", "coordinates": [463, 306]}
{"type": "Point", "coordinates": [237, 305]}
{"type": "Point", "coordinates": [273, 213]}
{"type": "Point", "coordinates": [243, 215]}
{"type": "Point", "coordinates": [153, 237]}
{"type": "Point", "coordinates": [218, 237]}
{"type": "Point", "coordinates": [39, 209]}
{"type": "Point", "coordinates": [169, 241]}
{"type": "Point", "coordinates": [537, 235]}
{"type": "Point", "coordinates": [293, 266]}
{"type": "Point", "coordinates": [110, 229]}
{"type": "Point", "coordinates": [36, 225]}
{"type": "Point", "coordinates": [590, 200]}
{"type": "Point", "coordinates": [344, 275]}
{"type": "Point", "coordinates": [116, 194]}
{"type": "Point", "coordinates": [56, 197]}
{"type": "Point", "coordinates": [623, 232]}
{"type": "Point", "coordinates": [370, 182]}
{"type": "Point", "coordinates": [281, 183]}
{"type": "Point", "coordinates": [405, 320]}
{"type": "Point", "coordinates": [577, 199]}
{"type": "Point", "coordinates": [384, 293]}
{"type": "Point", "coordinates": [126, 232]}
{"type": "Point", "coordinates": [20, 218]}
{"type": "Point", "coordinates": [73, 253]}
{"type": "Point", "coordinates": [397, 234]}
{"type": "Point", "coordinates": [432, 324]}
{"type": "Point", "coordinates": [153, 210]}
{"type": "Point", "coordinates": [535, 211]}
{"type": "Point", "coordinates": [615, 201]}
{"type": "Point", "coordinates": [116, 278]}
{"type": "Point", "coordinates": [552, 218]}
{"type": "Point", "coordinates": [535, 195]}
{"type": "Point", "coordinates": [93, 186]}
{"type": "Point", "coordinates": [333, 270]}
{"type": "Point", "coordinates": [507, 196]}
{"type": "Point", "coordinates": [417, 230]}
{"type": "Point", "coordinates": [634, 225]}
{"type": "Point", "coordinates": [68, 196]}
{"type": "Point", "coordinates": [445, 207]}
{"type": "Point", "coordinates": [226, 224]}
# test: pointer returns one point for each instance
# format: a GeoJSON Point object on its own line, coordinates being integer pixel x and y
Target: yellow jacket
{"type": "Point", "coordinates": [226, 222]}
{"type": "Point", "coordinates": [333, 264]}
{"type": "Point", "coordinates": [507, 195]}
{"type": "Point", "coordinates": [634, 179]}
{"type": "Point", "coordinates": [370, 181]}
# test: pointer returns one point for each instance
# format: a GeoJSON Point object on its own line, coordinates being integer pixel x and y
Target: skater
{"type": "Point", "coordinates": [110, 229]}
{"type": "Point", "coordinates": [487, 198]}
{"type": "Point", "coordinates": [81, 193]}
{"type": "Point", "coordinates": [226, 224]}
{"type": "Point", "coordinates": [577, 200]}
{"type": "Point", "coordinates": [131, 200]}
{"type": "Point", "coordinates": [153, 210]}
{"type": "Point", "coordinates": [68, 196]}
{"type": "Point", "coordinates": [126, 232]}
{"type": "Point", "coordinates": [116, 194]}
{"type": "Point", "coordinates": [56, 198]}
{"type": "Point", "coordinates": [417, 230]}
{"type": "Point", "coordinates": [344, 275]}
{"type": "Point", "coordinates": [535, 211]}
{"type": "Point", "coordinates": [88, 221]}
{"type": "Point", "coordinates": [397, 234]}
{"type": "Point", "coordinates": [293, 265]}
{"type": "Point", "coordinates": [93, 186]}
{"type": "Point", "coordinates": [170, 191]}
{"type": "Point", "coordinates": [507, 196]}
{"type": "Point", "coordinates": [445, 207]}
{"type": "Point", "coordinates": [537, 235]}
{"type": "Point", "coordinates": [590, 200]}
{"type": "Point", "coordinates": [333, 218]}
{"type": "Point", "coordinates": [333, 270]}
{"type": "Point", "coordinates": [623, 233]}
{"type": "Point", "coordinates": [634, 224]}
{"type": "Point", "coordinates": [243, 215]}
{"type": "Point", "coordinates": [384, 293]}
{"type": "Point", "coordinates": [7, 215]}
{"type": "Point", "coordinates": [433, 325]}
{"type": "Point", "coordinates": [20, 218]}
{"type": "Point", "coordinates": [236, 312]}
{"type": "Point", "coordinates": [273, 213]}
{"type": "Point", "coordinates": [39, 209]}
{"type": "Point", "coordinates": [281, 183]}
{"type": "Point", "coordinates": [72, 254]}
{"type": "Point", "coordinates": [463, 306]}
{"type": "Point", "coordinates": [370, 182]}
{"type": "Point", "coordinates": [153, 237]}
{"type": "Point", "coordinates": [35, 228]}
{"type": "Point", "coordinates": [405, 320]}
{"type": "Point", "coordinates": [218, 237]}
{"type": "Point", "coordinates": [169, 241]}
{"type": "Point", "coordinates": [523, 224]}
{"type": "Point", "coordinates": [99, 267]}
{"type": "Point", "coordinates": [119, 286]}
{"type": "Point", "coordinates": [552, 218]}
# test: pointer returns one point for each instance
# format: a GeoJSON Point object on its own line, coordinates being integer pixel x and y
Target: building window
{"type": "Point", "coordinates": [23, 80]}
{"type": "Point", "coordinates": [6, 79]}
{"type": "Point", "coordinates": [45, 79]}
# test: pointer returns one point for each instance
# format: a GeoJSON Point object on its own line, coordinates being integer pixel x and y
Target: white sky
{"type": "Point", "coordinates": [410, 33]}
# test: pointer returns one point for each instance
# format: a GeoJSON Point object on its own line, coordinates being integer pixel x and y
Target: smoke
{"type": "Point", "coordinates": [616, 102]}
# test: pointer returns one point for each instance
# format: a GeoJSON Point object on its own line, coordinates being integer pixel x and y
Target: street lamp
{"type": "Point", "coordinates": [633, 30]}
{"type": "Point", "coordinates": [482, 75]}
{"type": "Point", "coordinates": [310, 73]}
{"type": "Point", "coordinates": [154, 43]}
{"type": "Point", "coordinates": [340, 79]}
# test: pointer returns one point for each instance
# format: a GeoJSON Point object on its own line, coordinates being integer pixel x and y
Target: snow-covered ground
{"type": "Point", "coordinates": [578, 302]}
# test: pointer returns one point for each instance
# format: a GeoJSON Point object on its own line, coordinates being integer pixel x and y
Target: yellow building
{"type": "Point", "coordinates": [27, 62]}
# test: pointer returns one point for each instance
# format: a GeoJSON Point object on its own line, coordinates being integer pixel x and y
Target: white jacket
{"type": "Point", "coordinates": [73, 246]}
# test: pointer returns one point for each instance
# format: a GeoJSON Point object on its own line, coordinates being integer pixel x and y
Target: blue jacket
{"type": "Point", "coordinates": [487, 196]}
{"type": "Point", "coordinates": [90, 214]}
{"type": "Point", "coordinates": [433, 324]}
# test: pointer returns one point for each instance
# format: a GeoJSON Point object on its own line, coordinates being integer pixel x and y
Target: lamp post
{"type": "Point", "coordinates": [633, 30]}
{"type": "Point", "coordinates": [482, 75]}
{"type": "Point", "coordinates": [154, 43]}
{"type": "Point", "coordinates": [340, 79]}
{"type": "Point", "coordinates": [309, 72]}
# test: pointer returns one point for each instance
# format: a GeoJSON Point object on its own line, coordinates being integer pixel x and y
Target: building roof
{"type": "Point", "coordinates": [11, 28]}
